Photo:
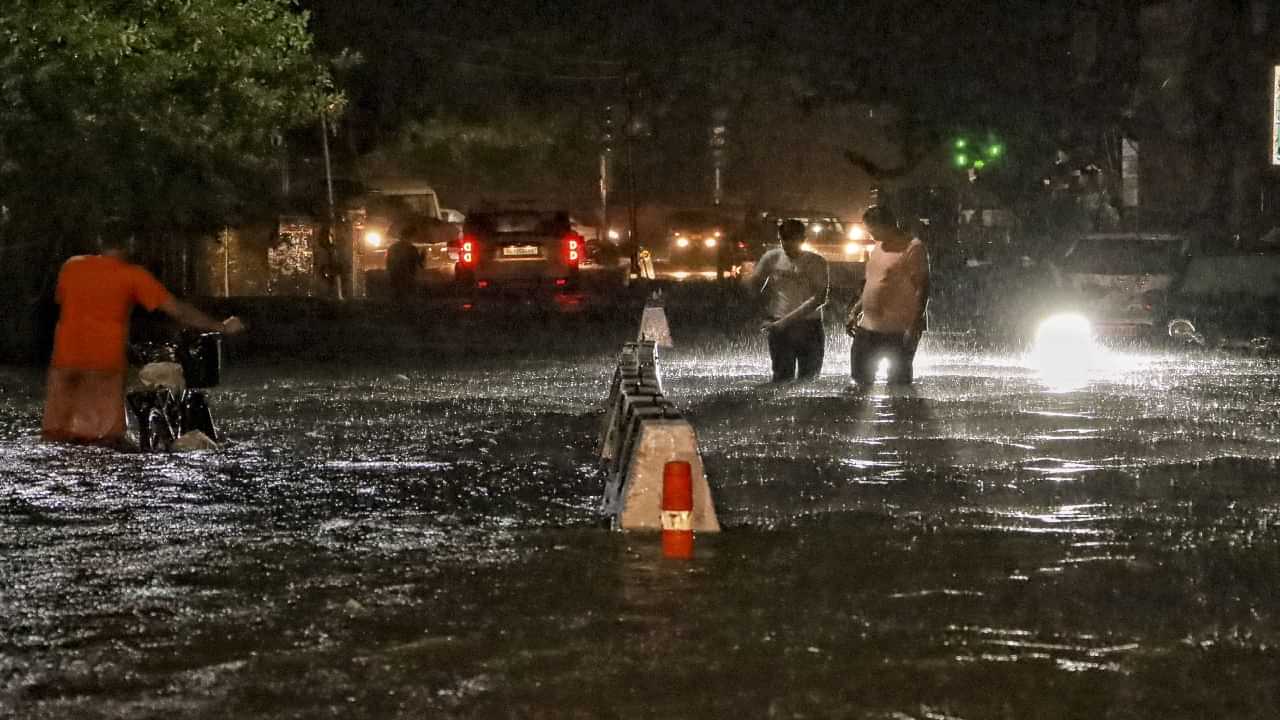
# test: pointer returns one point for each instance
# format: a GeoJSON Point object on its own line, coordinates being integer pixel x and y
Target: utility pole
{"type": "Point", "coordinates": [634, 238]}
{"type": "Point", "coordinates": [719, 140]}
{"type": "Point", "coordinates": [328, 181]}
{"type": "Point", "coordinates": [605, 152]}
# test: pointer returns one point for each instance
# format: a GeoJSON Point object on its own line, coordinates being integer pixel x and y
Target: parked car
{"type": "Point", "coordinates": [1121, 281]}
{"type": "Point", "coordinates": [605, 263]}
{"type": "Point", "coordinates": [1228, 302]}
{"type": "Point", "coordinates": [520, 249]}
{"type": "Point", "coordinates": [383, 211]}
{"type": "Point", "coordinates": [693, 245]}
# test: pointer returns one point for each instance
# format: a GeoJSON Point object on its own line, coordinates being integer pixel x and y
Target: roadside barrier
{"type": "Point", "coordinates": [653, 322]}
{"type": "Point", "coordinates": [643, 432]}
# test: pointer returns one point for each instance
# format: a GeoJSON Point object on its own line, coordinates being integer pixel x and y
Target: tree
{"type": "Point", "coordinates": [161, 114]}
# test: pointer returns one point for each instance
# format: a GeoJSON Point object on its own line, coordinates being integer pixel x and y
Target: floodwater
{"type": "Point", "coordinates": [389, 541]}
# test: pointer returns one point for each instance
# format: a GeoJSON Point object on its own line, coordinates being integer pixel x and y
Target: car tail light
{"type": "Point", "coordinates": [573, 247]}
{"type": "Point", "coordinates": [468, 251]}
{"type": "Point", "coordinates": [561, 282]}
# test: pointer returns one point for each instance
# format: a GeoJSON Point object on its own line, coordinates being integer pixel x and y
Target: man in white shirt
{"type": "Point", "coordinates": [887, 320]}
{"type": "Point", "coordinates": [797, 283]}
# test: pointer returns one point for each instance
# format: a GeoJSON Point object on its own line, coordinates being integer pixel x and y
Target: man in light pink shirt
{"type": "Point", "coordinates": [887, 320]}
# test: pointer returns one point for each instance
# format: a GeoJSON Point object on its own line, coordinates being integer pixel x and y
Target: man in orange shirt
{"type": "Point", "coordinates": [84, 400]}
{"type": "Point", "coordinates": [888, 319]}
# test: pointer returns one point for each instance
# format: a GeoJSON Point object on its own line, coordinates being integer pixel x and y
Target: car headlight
{"type": "Point", "coordinates": [682, 242]}
{"type": "Point", "coordinates": [614, 235]}
{"type": "Point", "coordinates": [806, 247]}
{"type": "Point", "coordinates": [857, 233]}
{"type": "Point", "coordinates": [709, 242]}
{"type": "Point", "coordinates": [852, 248]}
{"type": "Point", "coordinates": [373, 239]}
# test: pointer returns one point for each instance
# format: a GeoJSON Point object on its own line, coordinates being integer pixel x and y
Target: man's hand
{"type": "Point", "coordinates": [232, 326]}
{"type": "Point", "coordinates": [853, 318]}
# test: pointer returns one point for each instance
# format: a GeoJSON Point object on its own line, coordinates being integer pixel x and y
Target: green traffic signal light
{"type": "Point", "coordinates": [962, 160]}
{"type": "Point", "coordinates": [961, 144]}
{"type": "Point", "coordinates": [995, 150]}
{"type": "Point", "coordinates": [979, 164]}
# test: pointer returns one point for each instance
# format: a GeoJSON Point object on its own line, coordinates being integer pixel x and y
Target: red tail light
{"type": "Point", "coordinates": [468, 251]}
{"type": "Point", "coordinates": [573, 247]}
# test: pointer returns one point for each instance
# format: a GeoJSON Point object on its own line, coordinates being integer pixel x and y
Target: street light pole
{"type": "Point", "coordinates": [328, 181]}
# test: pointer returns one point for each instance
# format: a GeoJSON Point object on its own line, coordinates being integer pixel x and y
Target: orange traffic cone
{"type": "Point", "coordinates": [677, 510]}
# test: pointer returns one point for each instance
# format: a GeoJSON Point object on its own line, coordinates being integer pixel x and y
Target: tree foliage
{"type": "Point", "coordinates": [160, 113]}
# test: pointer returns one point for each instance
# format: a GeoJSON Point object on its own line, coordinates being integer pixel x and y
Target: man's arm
{"type": "Point", "coordinates": [921, 277]}
{"type": "Point", "coordinates": [755, 282]}
{"type": "Point", "coordinates": [193, 318]}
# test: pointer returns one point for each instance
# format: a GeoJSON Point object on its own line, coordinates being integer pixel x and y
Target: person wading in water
{"type": "Point", "coordinates": [797, 284]}
{"type": "Point", "coordinates": [84, 398]}
{"type": "Point", "coordinates": [887, 320]}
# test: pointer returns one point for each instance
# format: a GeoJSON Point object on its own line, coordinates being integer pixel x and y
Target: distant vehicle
{"type": "Point", "coordinates": [520, 249]}
{"type": "Point", "coordinates": [605, 263]}
{"type": "Point", "coordinates": [382, 211]}
{"type": "Point", "coordinates": [694, 245]}
{"type": "Point", "coordinates": [845, 247]}
{"type": "Point", "coordinates": [1121, 281]}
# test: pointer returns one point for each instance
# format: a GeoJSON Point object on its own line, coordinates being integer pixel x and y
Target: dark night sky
{"type": "Point", "coordinates": [797, 81]}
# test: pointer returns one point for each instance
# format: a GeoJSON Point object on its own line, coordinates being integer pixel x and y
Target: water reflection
{"type": "Point", "coordinates": [407, 542]}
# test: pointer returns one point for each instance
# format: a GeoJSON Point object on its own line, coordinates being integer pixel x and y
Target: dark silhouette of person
{"type": "Point", "coordinates": [404, 260]}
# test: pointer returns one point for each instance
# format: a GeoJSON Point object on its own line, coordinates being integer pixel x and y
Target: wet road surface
{"type": "Point", "coordinates": [392, 541]}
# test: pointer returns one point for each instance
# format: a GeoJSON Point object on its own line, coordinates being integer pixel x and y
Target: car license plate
{"type": "Point", "coordinates": [520, 251]}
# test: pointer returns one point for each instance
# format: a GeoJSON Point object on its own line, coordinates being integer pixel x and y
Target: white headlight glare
{"type": "Point", "coordinates": [1064, 351]}
{"type": "Point", "coordinates": [682, 241]}
{"type": "Point", "coordinates": [709, 242]}
{"type": "Point", "coordinates": [373, 239]}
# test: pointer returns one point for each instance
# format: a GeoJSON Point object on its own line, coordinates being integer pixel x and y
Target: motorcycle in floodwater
{"type": "Point", "coordinates": [171, 403]}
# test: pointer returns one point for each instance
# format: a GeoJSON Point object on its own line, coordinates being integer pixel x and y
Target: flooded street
{"type": "Point", "coordinates": [414, 539]}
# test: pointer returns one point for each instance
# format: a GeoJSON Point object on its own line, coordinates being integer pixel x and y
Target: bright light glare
{"type": "Point", "coordinates": [806, 247]}
{"type": "Point", "coordinates": [709, 242]}
{"type": "Point", "coordinates": [882, 370]}
{"type": "Point", "coordinates": [682, 241]}
{"type": "Point", "coordinates": [614, 235]}
{"type": "Point", "coordinates": [373, 239]}
{"type": "Point", "coordinates": [816, 228]}
{"type": "Point", "coordinates": [1064, 351]}
{"type": "Point", "coordinates": [680, 275]}
{"type": "Point", "coordinates": [857, 233]}
{"type": "Point", "coordinates": [852, 248]}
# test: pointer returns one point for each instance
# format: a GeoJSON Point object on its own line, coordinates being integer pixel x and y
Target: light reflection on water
{"type": "Point", "coordinates": [414, 542]}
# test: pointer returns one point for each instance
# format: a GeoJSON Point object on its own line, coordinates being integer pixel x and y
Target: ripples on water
{"type": "Point", "coordinates": [407, 542]}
